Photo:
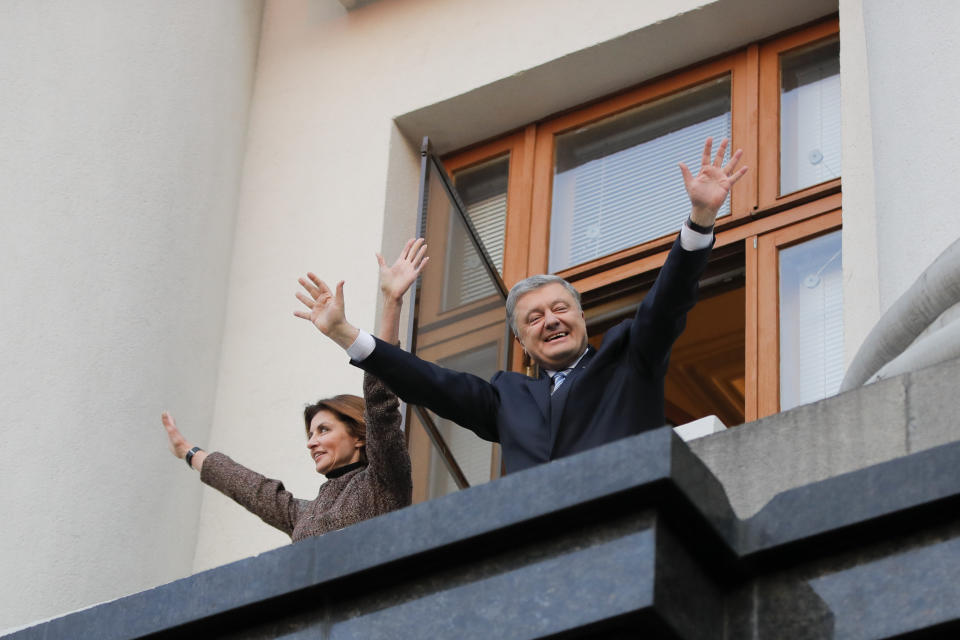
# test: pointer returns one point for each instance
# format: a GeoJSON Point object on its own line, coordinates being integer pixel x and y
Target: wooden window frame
{"type": "Point", "coordinates": [763, 329]}
{"type": "Point", "coordinates": [520, 146]}
{"type": "Point", "coordinates": [740, 66]}
{"type": "Point", "coordinates": [768, 168]}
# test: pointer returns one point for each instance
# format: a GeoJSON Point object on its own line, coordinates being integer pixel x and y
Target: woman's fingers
{"type": "Point", "coordinates": [178, 444]}
{"type": "Point", "coordinates": [418, 260]}
{"type": "Point", "coordinates": [406, 249]}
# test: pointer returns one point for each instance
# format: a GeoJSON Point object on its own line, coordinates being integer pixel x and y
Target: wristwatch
{"type": "Point", "coordinates": [190, 454]}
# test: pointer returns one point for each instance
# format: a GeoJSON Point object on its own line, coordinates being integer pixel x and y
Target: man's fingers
{"type": "Point", "coordinates": [321, 285]}
{"type": "Point", "coordinates": [381, 261]}
{"type": "Point", "coordinates": [304, 315]}
{"type": "Point", "coordinates": [739, 174]}
{"type": "Point", "coordinates": [707, 146]}
{"type": "Point", "coordinates": [423, 263]}
{"type": "Point", "coordinates": [734, 160]}
{"type": "Point", "coordinates": [721, 151]}
{"type": "Point", "coordinates": [307, 302]}
{"type": "Point", "coordinates": [687, 176]}
{"type": "Point", "coordinates": [309, 286]}
{"type": "Point", "coordinates": [340, 292]}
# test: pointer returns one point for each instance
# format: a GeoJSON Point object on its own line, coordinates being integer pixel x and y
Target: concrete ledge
{"type": "Point", "coordinates": [635, 537]}
{"type": "Point", "coordinates": [851, 431]}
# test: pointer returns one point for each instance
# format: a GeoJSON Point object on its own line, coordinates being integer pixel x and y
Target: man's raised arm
{"type": "Point", "coordinates": [464, 398]}
{"type": "Point", "coordinates": [661, 317]}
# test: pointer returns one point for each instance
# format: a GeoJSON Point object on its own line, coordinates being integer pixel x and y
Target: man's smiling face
{"type": "Point", "coordinates": [550, 326]}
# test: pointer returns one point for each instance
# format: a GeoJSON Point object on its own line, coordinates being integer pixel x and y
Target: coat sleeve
{"type": "Point", "coordinates": [468, 400]}
{"type": "Point", "coordinates": [662, 315]}
{"type": "Point", "coordinates": [388, 461]}
{"type": "Point", "coordinates": [260, 495]}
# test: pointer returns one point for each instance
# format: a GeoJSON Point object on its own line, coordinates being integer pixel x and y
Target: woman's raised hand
{"type": "Point", "coordinates": [397, 278]}
{"type": "Point", "coordinates": [178, 444]}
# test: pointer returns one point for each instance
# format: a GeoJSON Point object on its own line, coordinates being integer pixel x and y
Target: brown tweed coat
{"type": "Point", "coordinates": [382, 485]}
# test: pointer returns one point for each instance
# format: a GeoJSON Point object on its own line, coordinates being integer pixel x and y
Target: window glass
{"type": "Point", "coordinates": [809, 116]}
{"type": "Point", "coordinates": [472, 339]}
{"type": "Point", "coordinates": [472, 454]}
{"type": "Point", "coordinates": [483, 190]}
{"type": "Point", "coordinates": [811, 321]}
{"type": "Point", "coordinates": [616, 182]}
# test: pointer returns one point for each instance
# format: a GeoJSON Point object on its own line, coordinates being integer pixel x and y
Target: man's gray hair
{"type": "Point", "coordinates": [529, 284]}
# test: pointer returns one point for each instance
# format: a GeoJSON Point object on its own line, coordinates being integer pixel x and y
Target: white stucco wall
{"type": "Point", "coordinates": [122, 128]}
{"type": "Point", "coordinates": [860, 285]}
{"type": "Point", "coordinates": [340, 103]}
{"type": "Point", "coordinates": [914, 89]}
{"type": "Point", "coordinates": [900, 130]}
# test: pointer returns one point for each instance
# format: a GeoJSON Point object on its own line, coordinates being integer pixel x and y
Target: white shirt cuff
{"type": "Point", "coordinates": [692, 240]}
{"type": "Point", "coordinates": [362, 347]}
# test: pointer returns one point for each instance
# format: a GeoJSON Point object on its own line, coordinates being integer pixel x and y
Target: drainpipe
{"type": "Point", "coordinates": [887, 350]}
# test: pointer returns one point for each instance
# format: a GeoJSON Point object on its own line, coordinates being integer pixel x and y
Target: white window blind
{"type": "Point", "coordinates": [468, 280]}
{"type": "Point", "coordinates": [810, 117]}
{"type": "Point", "coordinates": [484, 194]}
{"type": "Point", "coordinates": [811, 321]}
{"type": "Point", "coordinates": [616, 182]}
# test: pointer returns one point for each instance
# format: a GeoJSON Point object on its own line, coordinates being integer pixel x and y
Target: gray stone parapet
{"type": "Point", "coordinates": [632, 539]}
{"type": "Point", "coordinates": [872, 424]}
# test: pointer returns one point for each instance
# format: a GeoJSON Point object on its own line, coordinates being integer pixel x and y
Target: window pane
{"type": "Point", "coordinates": [483, 190]}
{"type": "Point", "coordinates": [809, 116]}
{"type": "Point", "coordinates": [471, 453]}
{"type": "Point", "coordinates": [811, 321]}
{"type": "Point", "coordinates": [474, 339]}
{"type": "Point", "coordinates": [616, 182]}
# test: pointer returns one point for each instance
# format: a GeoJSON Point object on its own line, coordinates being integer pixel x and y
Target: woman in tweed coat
{"type": "Point", "coordinates": [356, 443]}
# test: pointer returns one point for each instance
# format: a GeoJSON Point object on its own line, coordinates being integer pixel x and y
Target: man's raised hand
{"type": "Point", "coordinates": [710, 188]}
{"type": "Point", "coordinates": [325, 309]}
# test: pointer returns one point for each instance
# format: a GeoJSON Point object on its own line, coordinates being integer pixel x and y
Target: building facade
{"type": "Point", "coordinates": [172, 168]}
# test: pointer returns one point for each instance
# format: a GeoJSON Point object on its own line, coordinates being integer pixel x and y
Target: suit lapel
{"type": "Point", "coordinates": [558, 401]}
{"type": "Point", "coordinates": [540, 390]}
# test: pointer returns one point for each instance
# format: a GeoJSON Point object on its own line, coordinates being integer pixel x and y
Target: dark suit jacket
{"type": "Point", "coordinates": [614, 392]}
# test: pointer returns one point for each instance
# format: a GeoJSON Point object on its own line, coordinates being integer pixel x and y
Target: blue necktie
{"type": "Point", "coordinates": [558, 379]}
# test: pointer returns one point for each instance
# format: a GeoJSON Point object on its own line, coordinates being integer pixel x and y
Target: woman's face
{"type": "Point", "coordinates": [330, 444]}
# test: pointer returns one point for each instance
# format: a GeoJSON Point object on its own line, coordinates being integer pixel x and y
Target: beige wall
{"type": "Point", "coordinates": [900, 83]}
{"type": "Point", "coordinates": [122, 130]}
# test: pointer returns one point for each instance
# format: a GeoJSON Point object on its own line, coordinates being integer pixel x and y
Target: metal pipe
{"type": "Point", "coordinates": [933, 349]}
{"type": "Point", "coordinates": [936, 290]}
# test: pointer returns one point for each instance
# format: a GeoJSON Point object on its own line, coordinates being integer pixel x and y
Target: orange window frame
{"type": "Point", "coordinates": [763, 330]}
{"type": "Point", "coordinates": [768, 168]}
{"type": "Point", "coordinates": [740, 66]}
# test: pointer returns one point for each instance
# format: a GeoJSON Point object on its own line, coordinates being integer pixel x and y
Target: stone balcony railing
{"type": "Point", "coordinates": [633, 539]}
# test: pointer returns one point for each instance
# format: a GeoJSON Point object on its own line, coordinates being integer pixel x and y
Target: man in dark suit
{"type": "Point", "coordinates": [583, 397]}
